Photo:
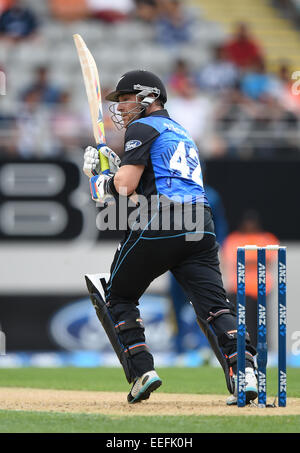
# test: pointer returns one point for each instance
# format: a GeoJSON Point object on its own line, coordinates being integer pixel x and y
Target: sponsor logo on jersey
{"type": "Point", "coordinates": [177, 130]}
{"type": "Point", "coordinates": [132, 144]}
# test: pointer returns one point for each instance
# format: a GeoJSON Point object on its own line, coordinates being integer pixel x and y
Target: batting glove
{"type": "Point", "coordinates": [91, 164]}
{"type": "Point", "coordinates": [99, 187]}
{"type": "Point", "coordinates": [113, 158]}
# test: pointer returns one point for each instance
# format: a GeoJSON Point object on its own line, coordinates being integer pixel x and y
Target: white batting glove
{"type": "Point", "coordinates": [91, 164]}
{"type": "Point", "coordinates": [113, 158]}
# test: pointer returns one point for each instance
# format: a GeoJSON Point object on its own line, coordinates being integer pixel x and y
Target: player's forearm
{"type": "Point", "coordinates": [123, 187]}
{"type": "Point", "coordinates": [127, 179]}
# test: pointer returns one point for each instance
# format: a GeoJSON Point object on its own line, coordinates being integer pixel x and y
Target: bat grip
{"type": "Point", "coordinates": [104, 163]}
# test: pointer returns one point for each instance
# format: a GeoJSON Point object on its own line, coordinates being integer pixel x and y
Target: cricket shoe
{"type": "Point", "coordinates": [143, 387]}
{"type": "Point", "coordinates": [251, 388]}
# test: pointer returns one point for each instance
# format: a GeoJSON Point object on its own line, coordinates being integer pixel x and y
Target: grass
{"type": "Point", "coordinates": [200, 380]}
{"type": "Point", "coordinates": [46, 422]}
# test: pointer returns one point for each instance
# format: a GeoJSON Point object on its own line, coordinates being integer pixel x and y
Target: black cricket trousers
{"type": "Point", "coordinates": [139, 260]}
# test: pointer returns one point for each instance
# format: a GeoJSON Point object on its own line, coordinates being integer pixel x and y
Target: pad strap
{"type": "Point", "coordinates": [129, 324]}
{"type": "Point", "coordinates": [232, 335]}
{"type": "Point", "coordinates": [136, 349]}
{"type": "Point", "coordinates": [224, 311]}
{"type": "Point", "coordinates": [232, 358]}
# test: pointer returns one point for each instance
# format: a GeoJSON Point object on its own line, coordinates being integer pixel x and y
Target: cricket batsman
{"type": "Point", "coordinates": [161, 162]}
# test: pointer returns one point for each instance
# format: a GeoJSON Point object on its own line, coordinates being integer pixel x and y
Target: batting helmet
{"type": "Point", "coordinates": [136, 82]}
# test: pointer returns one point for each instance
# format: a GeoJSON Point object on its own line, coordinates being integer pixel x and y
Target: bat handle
{"type": "Point", "coordinates": [104, 163]}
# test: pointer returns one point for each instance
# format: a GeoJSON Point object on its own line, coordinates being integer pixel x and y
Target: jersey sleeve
{"type": "Point", "coordinates": [138, 139]}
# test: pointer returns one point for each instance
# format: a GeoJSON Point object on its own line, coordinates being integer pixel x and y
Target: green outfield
{"type": "Point", "coordinates": [198, 381]}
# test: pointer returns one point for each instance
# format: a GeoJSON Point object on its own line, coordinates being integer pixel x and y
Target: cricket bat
{"type": "Point", "coordinates": [93, 91]}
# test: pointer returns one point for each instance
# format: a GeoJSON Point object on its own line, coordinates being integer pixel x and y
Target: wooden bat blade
{"type": "Point", "coordinates": [93, 91]}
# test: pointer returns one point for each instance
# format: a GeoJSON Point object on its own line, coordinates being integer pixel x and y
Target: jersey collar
{"type": "Point", "coordinates": [162, 112]}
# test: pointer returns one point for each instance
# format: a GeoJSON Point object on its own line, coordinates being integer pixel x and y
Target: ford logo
{"type": "Point", "coordinates": [76, 326]}
{"type": "Point", "coordinates": [132, 144]}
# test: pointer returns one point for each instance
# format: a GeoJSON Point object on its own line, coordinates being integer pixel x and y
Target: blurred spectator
{"type": "Point", "coordinates": [242, 49]}
{"type": "Point", "coordinates": [193, 110]}
{"type": "Point", "coordinates": [234, 117]}
{"type": "Point", "coordinates": [249, 232]}
{"type": "Point", "coordinates": [219, 74]}
{"type": "Point", "coordinates": [110, 11]}
{"type": "Point", "coordinates": [256, 128]}
{"type": "Point", "coordinates": [18, 23]}
{"type": "Point", "coordinates": [282, 89]}
{"type": "Point", "coordinates": [280, 81]}
{"type": "Point", "coordinates": [34, 133]}
{"type": "Point", "coordinates": [256, 82]}
{"type": "Point", "coordinates": [274, 131]}
{"type": "Point", "coordinates": [146, 10]}
{"type": "Point", "coordinates": [46, 93]}
{"type": "Point", "coordinates": [66, 125]}
{"type": "Point", "coordinates": [174, 24]}
{"type": "Point", "coordinates": [289, 9]}
{"type": "Point", "coordinates": [7, 123]}
{"type": "Point", "coordinates": [5, 4]}
{"type": "Point", "coordinates": [181, 76]}
{"type": "Point", "coordinates": [8, 134]}
{"type": "Point", "coordinates": [285, 75]}
{"type": "Point", "coordinates": [69, 10]}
